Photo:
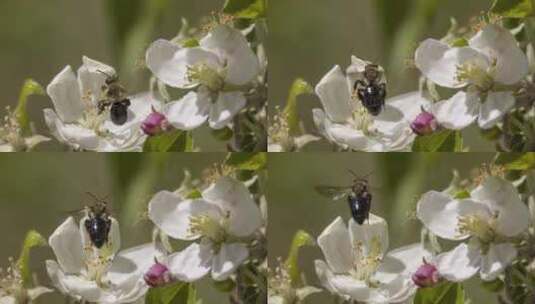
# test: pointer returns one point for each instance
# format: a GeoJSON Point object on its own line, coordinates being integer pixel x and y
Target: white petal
{"type": "Point", "coordinates": [440, 214]}
{"type": "Point", "coordinates": [130, 265]}
{"type": "Point", "coordinates": [498, 43]}
{"type": "Point", "coordinates": [324, 274]}
{"type": "Point", "coordinates": [79, 286]}
{"type": "Point", "coordinates": [322, 123]}
{"type": "Point", "coordinates": [10, 300]}
{"type": "Point", "coordinates": [92, 76]}
{"type": "Point", "coordinates": [458, 112]}
{"type": "Point", "coordinates": [38, 291]}
{"type": "Point", "coordinates": [348, 286]}
{"type": "Point", "coordinates": [189, 112]}
{"type": "Point", "coordinates": [272, 299]}
{"type": "Point", "coordinates": [172, 214]}
{"type": "Point", "coordinates": [56, 275]}
{"type": "Point", "coordinates": [494, 108]}
{"type": "Point", "coordinates": [65, 94]}
{"type": "Point", "coordinates": [496, 260]}
{"type": "Point", "coordinates": [234, 199]}
{"type": "Point", "coordinates": [227, 260]}
{"type": "Point", "coordinates": [438, 62]}
{"type": "Point", "coordinates": [192, 263]}
{"type": "Point", "coordinates": [223, 110]}
{"type": "Point", "coordinates": [335, 95]}
{"type": "Point", "coordinates": [459, 264]}
{"type": "Point", "coordinates": [170, 63]}
{"type": "Point", "coordinates": [501, 196]}
{"type": "Point", "coordinates": [71, 134]}
{"type": "Point", "coordinates": [66, 243]}
{"type": "Point", "coordinates": [336, 246]}
{"type": "Point", "coordinates": [33, 141]}
{"type": "Point", "coordinates": [114, 236]}
{"type": "Point", "coordinates": [242, 63]}
{"type": "Point", "coordinates": [409, 104]}
{"type": "Point", "coordinates": [373, 232]}
{"type": "Point", "coordinates": [404, 260]}
{"type": "Point", "coordinates": [348, 136]}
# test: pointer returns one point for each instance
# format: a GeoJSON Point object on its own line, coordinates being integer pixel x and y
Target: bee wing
{"type": "Point", "coordinates": [333, 192]}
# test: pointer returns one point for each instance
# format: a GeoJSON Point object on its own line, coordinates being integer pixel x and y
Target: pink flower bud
{"type": "Point", "coordinates": [426, 276]}
{"type": "Point", "coordinates": [155, 123]}
{"type": "Point", "coordinates": [424, 124]}
{"type": "Point", "coordinates": [157, 275]}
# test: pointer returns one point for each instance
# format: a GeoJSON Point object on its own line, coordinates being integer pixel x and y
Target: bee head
{"type": "Point", "coordinates": [371, 72]}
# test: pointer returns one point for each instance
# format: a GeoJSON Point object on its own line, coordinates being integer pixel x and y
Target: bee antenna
{"type": "Point", "coordinates": [95, 197]}
{"type": "Point", "coordinates": [355, 175]}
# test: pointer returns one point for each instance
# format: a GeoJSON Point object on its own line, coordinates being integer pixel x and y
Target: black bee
{"type": "Point", "coordinates": [98, 223]}
{"type": "Point", "coordinates": [114, 98]}
{"type": "Point", "coordinates": [358, 196]}
{"type": "Point", "coordinates": [371, 93]}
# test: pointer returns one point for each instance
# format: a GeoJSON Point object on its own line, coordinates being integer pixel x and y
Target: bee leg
{"type": "Point", "coordinates": [357, 83]}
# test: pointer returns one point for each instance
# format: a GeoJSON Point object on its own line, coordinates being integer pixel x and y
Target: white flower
{"type": "Point", "coordinates": [83, 272]}
{"type": "Point", "coordinates": [358, 266]}
{"type": "Point", "coordinates": [221, 66]}
{"type": "Point", "coordinates": [12, 289]}
{"type": "Point", "coordinates": [12, 138]}
{"type": "Point", "coordinates": [491, 60]}
{"type": "Point", "coordinates": [224, 215]}
{"type": "Point", "coordinates": [493, 214]}
{"type": "Point", "coordinates": [346, 122]}
{"type": "Point", "coordinates": [75, 119]}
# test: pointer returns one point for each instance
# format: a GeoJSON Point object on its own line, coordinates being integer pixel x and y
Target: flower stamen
{"type": "Point", "coordinates": [207, 227]}
{"type": "Point", "coordinates": [479, 227]}
{"type": "Point", "coordinates": [475, 75]}
{"type": "Point", "coordinates": [206, 76]}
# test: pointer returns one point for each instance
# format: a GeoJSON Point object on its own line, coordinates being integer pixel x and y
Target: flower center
{"type": "Point", "coordinates": [479, 227]}
{"type": "Point", "coordinates": [11, 283]}
{"type": "Point", "coordinates": [280, 284]}
{"type": "Point", "coordinates": [11, 131]}
{"type": "Point", "coordinates": [475, 75]}
{"type": "Point", "coordinates": [206, 75]}
{"type": "Point", "coordinates": [97, 266]}
{"type": "Point", "coordinates": [208, 227]}
{"type": "Point", "coordinates": [279, 131]}
{"type": "Point", "coordinates": [362, 120]}
{"type": "Point", "coordinates": [91, 118]}
{"type": "Point", "coordinates": [366, 262]}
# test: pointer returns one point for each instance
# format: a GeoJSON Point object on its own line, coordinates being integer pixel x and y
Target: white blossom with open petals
{"type": "Point", "coordinates": [75, 119]}
{"type": "Point", "coordinates": [220, 66]}
{"type": "Point", "coordinates": [491, 60]}
{"type": "Point", "coordinates": [224, 215]}
{"type": "Point", "coordinates": [358, 266]}
{"type": "Point", "coordinates": [85, 273]}
{"type": "Point", "coordinates": [345, 122]}
{"type": "Point", "coordinates": [493, 213]}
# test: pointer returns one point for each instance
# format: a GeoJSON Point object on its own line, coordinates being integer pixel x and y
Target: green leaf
{"type": "Point", "coordinates": [513, 8]}
{"type": "Point", "coordinates": [30, 87]}
{"type": "Point", "coordinates": [443, 141]}
{"type": "Point", "coordinates": [246, 9]}
{"type": "Point", "coordinates": [444, 293]}
{"type": "Point", "coordinates": [176, 140]}
{"type": "Point", "coordinates": [493, 286]}
{"type": "Point", "coordinates": [301, 238]}
{"type": "Point", "coordinates": [223, 134]}
{"type": "Point", "coordinates": [247, 161]}
{"type": "Point", "coordinates": [299, 87]}
{"type": "Point", "coordinates": [179, 293]}
{"type": "Point", "coordinates": [33, 239]}
{"type": "Point", "coordinates": [515, 161]}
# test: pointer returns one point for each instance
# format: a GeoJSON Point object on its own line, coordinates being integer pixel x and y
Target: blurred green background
{"type": "Point", "coordinates": [40, 190]}
{"type": "Point", "coordinates": [397, 181]}
{"type": "Point", "coordinates": [39, 38]}
{"type": "Point", "coordinates": [308, 37]}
